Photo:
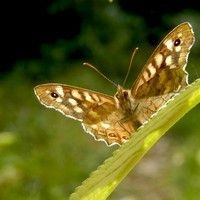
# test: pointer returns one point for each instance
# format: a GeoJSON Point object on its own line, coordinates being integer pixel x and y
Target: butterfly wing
{"type": "Point", "coordinates": [74, 102]}
{"type": "Point", "coordinates": [96, 111]}
{"type": "Point", "coordinates": [165, 72]}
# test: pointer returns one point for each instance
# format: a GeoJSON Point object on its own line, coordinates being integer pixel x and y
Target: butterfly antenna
{"type": "Point", "coordinates": [130, 64]}
{"type": "Point", "coordinates": [94, 68]}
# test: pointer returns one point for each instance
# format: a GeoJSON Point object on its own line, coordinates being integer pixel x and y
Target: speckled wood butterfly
{"type": "Point", "coordinates": [113, 119]}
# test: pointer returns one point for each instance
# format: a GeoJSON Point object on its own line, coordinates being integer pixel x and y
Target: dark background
{"type": "Point", "coordinates": [43, 155]}
{"type": "Point", "coordinates": [26, 25]}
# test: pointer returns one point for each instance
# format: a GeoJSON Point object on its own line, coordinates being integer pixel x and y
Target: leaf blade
{"type": "Point", "coordinates": [105, 179]}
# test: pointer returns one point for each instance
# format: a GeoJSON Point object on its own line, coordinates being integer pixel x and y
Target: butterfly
{"type": "Point", "coordinates": [113, 119]}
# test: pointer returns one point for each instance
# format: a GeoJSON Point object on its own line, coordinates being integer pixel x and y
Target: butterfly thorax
{"type": "Point", "coordinates": [124, 100]}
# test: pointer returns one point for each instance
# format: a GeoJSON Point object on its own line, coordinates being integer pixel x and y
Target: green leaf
{"type": "Point", "coordinates": [105, 179]}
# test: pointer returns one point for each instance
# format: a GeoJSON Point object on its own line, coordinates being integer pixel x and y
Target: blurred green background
{"type": "Point", "coordinates": [44, 155]}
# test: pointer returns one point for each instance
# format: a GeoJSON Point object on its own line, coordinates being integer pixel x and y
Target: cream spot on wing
{"type": "Point", "coordinates": [76, 94]}
{"type": "Point", "coordinates": [59, 99]}
{"type": "Point", "coordinates": [73, 102]}
{"type": "Point", "coordinates": [88, 97]}
{"type": "Point", "coordinates": [94, 126]}
{"type": "Point", "coordinates": [105, 125]}
{"type": "Point", "coordinates": [172, 66]}
{"type": "Point", "coordinates": [60, 91]}
{"type": "Point", "coordinates": [146, 75]}
{"type": "Point", "coordinates": [169, 44]}
{"type": "Point", "coordinates": [178, 48]}
{"type": "Point", "coordinates": [152, 70]}
{"type": "Point", "coordinates": [180, 35]}
{"type": "Point", "coordinates": [103, 99]}
{"type": "Point", "coordinates": [78, 109]}
{"type": "Point", "coordinates": [47, 91]}
{"type": "Point", "coordinates": [158, 59]}
{"type": "Point", "coordinates": [95, 97]}
{"type": "Point", "coordinates": [168, 60]}
{"type": "Point", "coordinates": [64, 108]}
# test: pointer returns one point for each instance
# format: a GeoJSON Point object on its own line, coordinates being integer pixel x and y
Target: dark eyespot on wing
{"type": "Point", "coordinates": [54, 95]}
{"type": "Point", "coordinates": [177, 42]}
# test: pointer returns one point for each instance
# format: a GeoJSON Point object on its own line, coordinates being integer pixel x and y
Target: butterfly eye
{"type": "Point", "coordinates": [125, 94]}
{"type": "Point", "coordinates": [177, 42]}
{"type": "Point", "coordinates": [54, 95]}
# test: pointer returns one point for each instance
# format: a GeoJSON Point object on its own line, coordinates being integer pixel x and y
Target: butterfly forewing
{"type": "Point", "coordinates": [74, 102]}
{"type": "Point", "coordinates": [164, 71]}
{"type": "Point", "coordinates": [115, 119]}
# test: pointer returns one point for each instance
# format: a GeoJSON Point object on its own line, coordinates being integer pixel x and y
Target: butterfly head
{"type": "Point", "coordinates": [121, 93]}
{"type": "Point", "coordinates": [122, 97]}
